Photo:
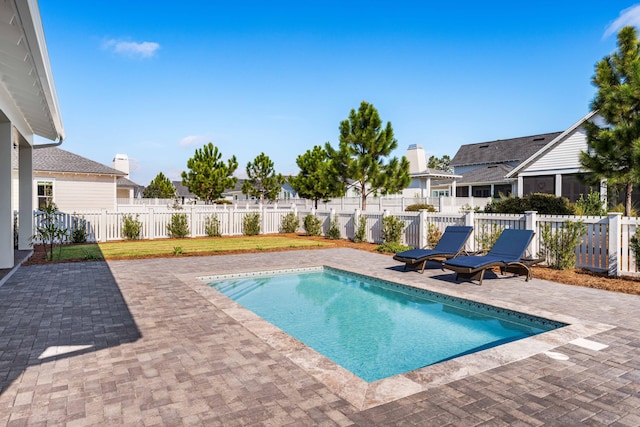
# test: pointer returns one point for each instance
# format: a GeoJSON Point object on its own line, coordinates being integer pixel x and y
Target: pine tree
{"type": "Point", "coordinates": [208, 176]}
{"type": "Point", "coordinates": [263, 181]}
{"type": "Point", "coordinates": [314, 181]}
{"type": "Point", "coordinates": [360, 157]}
{"type": "Point", "coordinates": [159, 188]}
{"type": "Point", "coordinates": [614, 150]}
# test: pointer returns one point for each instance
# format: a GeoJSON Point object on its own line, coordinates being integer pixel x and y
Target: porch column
{"type": "Point", "coordinates": [6, 199]}
{"type": "Point", "coordinates": [25, 179]}
{"type": "Point", "coordinates": [453, 188]}
{"type": "Point", "coordinates": [428, 186]}
{"type": "Point", "coordinates": [519, 188]}
{"type": "Point", "coordinates": [558, 188]}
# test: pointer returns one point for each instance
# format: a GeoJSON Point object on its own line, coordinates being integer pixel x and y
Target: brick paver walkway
{"type": "Point", "coordinates": [143, 347]}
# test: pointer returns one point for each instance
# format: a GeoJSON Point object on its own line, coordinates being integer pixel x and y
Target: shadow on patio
{"type": "Point", "coordinates": [54, 311]}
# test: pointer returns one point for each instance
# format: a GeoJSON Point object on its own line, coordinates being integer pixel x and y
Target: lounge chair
{"type": "Point", "coordinates": [450, 245]}
{"type": "Point", "coordinates": [507, 254]}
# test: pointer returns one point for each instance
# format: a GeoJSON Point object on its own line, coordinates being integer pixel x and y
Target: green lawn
{"type": "Point", "coordinates": [169, 247]}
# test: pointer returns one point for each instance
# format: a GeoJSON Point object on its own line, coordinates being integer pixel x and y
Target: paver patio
{"type": "Point", "coordinates": [145, 345]}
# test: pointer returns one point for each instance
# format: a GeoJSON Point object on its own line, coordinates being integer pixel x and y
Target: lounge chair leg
{"type": "Point", "coordinates": [481, 277]}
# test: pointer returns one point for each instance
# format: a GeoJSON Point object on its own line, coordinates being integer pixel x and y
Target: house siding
{"type": "Point", "coordinates": [79, 192]}
{"type": "Point", "coordinates": [564, 156]}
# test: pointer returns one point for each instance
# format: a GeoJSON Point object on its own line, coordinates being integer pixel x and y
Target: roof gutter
{"type": "Point", "coordinates": [51, 144]}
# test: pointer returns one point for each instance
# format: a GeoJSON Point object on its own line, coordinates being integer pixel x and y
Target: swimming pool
{"type": "Point", "coordinates": [375, 328]}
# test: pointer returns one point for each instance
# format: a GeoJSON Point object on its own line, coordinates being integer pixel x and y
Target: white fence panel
{"type": "Point", "coordinates": [628, 261]}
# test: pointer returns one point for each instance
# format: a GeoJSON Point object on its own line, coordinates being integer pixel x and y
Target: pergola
{"type": "Point", "coordinates": [28, 107]}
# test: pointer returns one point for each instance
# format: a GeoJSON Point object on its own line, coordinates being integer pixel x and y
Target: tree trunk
{"type": "Point", "coordinates": [627, 202]}
{"type": "Point", "coordinates": [364, 196]}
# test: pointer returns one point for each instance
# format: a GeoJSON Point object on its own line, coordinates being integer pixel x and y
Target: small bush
{"type": "Point", "coordinates": [290, 223]}
{"type": "Point", "coordinates": [177, 250]}
{"type": "Point", "coordinates": [420, 206]}
{"type": "Point", "coordinates": [131, 227]}
{"type": "Point", "coordinates": [392, 229]}
{"type": "Point", "coordinates": [559, 246]}
{"type": "Point", "coordinates": [620, 208]}
{"type": "Point", "coordinates": [392, 247]}
{"type": "Point", "coordinates": [334, 229]}
{"type": "Point", "coordinates": [635, 246]}
{"type": "Point", "coordinates": [78, 230]}
{"type": "Point", "coordinates": [487, 235]}
{"type": "Point", "coordinates": [433, 235]}
{"type": "Point", "coordinates": [547, 204]}
{"type": "Point", "coordinates": [360, 233]}
{"type": "Point", "coordinates": [591, 206]}
{"type": "Point", "coordinates": [312, 225]}
{"type": "Point", "coordinates": [251, 224]}
{"type": "Point", "coordinates": [178, 227]}
{"type": "Point", "coordinates": [212, 226]}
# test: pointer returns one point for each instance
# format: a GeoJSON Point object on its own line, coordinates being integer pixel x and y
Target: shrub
{"type": "Point", "coordinates": [78, 230]}
{"type": "Point", "coordinates": [620, 208]}
{"type": "Point", "coordinates": [591, 206]}
{"type": "Point", "coordinates": [558, 246]}
{"type": "Point", "coordinates": [312, 225]}
{"type": "Point", "coordinates": [131, 227]}
{"type": "Point", "coordinates": [420, 206]}
{"type": "Point", "coordinates": [635, 246]}
{"type": "Point", "coordinates": [433, 235]}
{"type": "Point", "coordinates": [487, 235]}
{"type": "Point", "coordinates": [334, 229]}
{"type": "Point", "coordinates": [290, 223]}
{"type": "Point", "coordinates": [360, 233]}
{"type": "Point", "coordinates": [178, 227]}
{"type": "Point", "coordinates": [48, 228]}
{"type": "Point", "coordinates": [212, 226]}
{"type": "Point", "coordinates": [177, 250]}
{"type": "Point", "coordinates": [392, 229]}
{"type": "Point", "coordinates": [392, 247]}
{"type": "Point", "coordinates": [547, 204]}
{"type": "Point", "coordinates": [251, 224]}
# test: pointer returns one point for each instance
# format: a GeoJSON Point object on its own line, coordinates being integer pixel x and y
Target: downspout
{"type": "Point", "coordinates": [51, 144]}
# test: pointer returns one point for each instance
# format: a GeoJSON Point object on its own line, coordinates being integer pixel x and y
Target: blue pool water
{"type": "Point", "coordinates": [373, 328]}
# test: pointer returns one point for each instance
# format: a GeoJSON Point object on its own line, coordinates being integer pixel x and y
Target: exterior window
{"type": "Point", "coordinates": [573, 187]}
{"type": "Point", "coordinates": [45, 193]}
{"type": "Point", "coordinates": [481, 191]}
{"type": "Point", "coordinates": [502, 189]}
{"type": "Point", "coordinates": [440, 193]}
{"type": "Point", "coordinates": [462, 191]}
{"type": "Point", "coordinates": [539, 184]}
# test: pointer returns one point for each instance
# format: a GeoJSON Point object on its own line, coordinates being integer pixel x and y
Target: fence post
{"type": "Point", "coordinates": [531, 222]}
{"type": "Point", "coordinates": [103, 225]}
{"type": "Point", "coordinates": [469, 221]}
{"type": "Point", "coordinates": [423, 229]}
{"type": "Point", "coordinates": [192, 221]}
{"type": "Point", "coordinates": [263, 218]}
{"type": "Point", "coordinates": [152, 224]}
{"type": "Point", "coordinates": [231, 217]}
{"type": "Point", "coordinates": [615, 232]}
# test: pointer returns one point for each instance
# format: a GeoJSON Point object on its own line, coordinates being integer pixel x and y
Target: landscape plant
{"type": "Point", "coordinates": [212, 226]}
{"type": "Point", "coordinates": [208, 176]}
{"type": "Point", "coordinates": [542, 203]}
{"type": "Point", "coordinates": [360, 161]}
{"type": "Point", "coordinates": [360, 233]}
{"type": "Point", "coordinates": [420, 207]}
{"type": "Point", "coordinates": [131, 227]}
{"type": "Point", "coordinates": [160, 188]}
{"type": "Point", "coordinates": [433, 235]}
{"type": "Point", "coordinates": [635, 246]}
{"type": "Point", "coordinates": [78, 230]}
{"type": "Point", "coordinates": [392, 228]}
{"type": "Point", "coordinates": [290, 223]}
{"type": "Point", "coordinates": [591, 205]}
{"type": "Point", "coordinates": [333, 232]}
{"type": "Point", "coordinates": [487, 235]}
{"type": "Point", "coordinates": [263, 182]}
{"type": "Point", "coordinates": [312, 225]}
{"type": "Point", "coordinates": [48, 228]}
{"type": "Point", "coordinates": [178, 227]}
{"type": "Point", "coordinates": [314, 181]}
{"type": "Point", "coordinates": [558, 245]}
{"type": "Point", "coordinates": [251, 224]}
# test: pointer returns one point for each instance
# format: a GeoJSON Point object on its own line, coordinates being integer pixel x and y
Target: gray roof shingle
{"type": "Point", "coordinates": [514, 150]}
{"type": "Point", "coordinates": [54, 159]}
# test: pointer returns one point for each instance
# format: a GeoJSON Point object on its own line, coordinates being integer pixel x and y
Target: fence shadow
{"type": "Point", "coordinates": [55, 311]}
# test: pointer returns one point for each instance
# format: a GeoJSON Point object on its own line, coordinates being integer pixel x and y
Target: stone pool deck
{"type": "Point", "coordinates": [147, 343]}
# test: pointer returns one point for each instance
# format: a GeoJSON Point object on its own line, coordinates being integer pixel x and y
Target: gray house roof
{"type": "Point", "coordinates": [182, 190]}
{"type": "Point", "coordinates": [514, 150]}
{"type": "Point", "coordinates": [54, 159]}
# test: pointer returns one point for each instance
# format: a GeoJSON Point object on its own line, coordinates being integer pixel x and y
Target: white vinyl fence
{"type": "Point", "coordinates": [605, 245]}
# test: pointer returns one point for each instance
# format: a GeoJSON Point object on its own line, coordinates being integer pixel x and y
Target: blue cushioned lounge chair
{"type": "Point", "coordinates": [507, 254]}
{"type": "Point", "coordinates": [450, 245]}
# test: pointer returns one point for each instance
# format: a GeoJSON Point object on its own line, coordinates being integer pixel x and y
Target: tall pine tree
{"type": "Point", "coordinates": [314, 181]}
{"type": "Point", "coordinates": [208, 175]}
{"type": "Point", "coordinates": [361, 157]}
{"type": "Point", "coordinates": [159, 188]}
{"type": "Point", "coordinates": [263, 180]}
{"type": "Point", "coordinates": [614, 150]}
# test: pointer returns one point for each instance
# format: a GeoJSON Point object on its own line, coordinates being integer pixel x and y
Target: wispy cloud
{"type": "Point", "coordinates": [628, 17]}
{"type": "Point", "coordinates": [191, 140]}
{"type": "Point", "coordinates": [132, 49]}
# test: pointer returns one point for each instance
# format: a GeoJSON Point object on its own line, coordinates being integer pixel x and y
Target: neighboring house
{"type": "Point", "coordinates": [28, 107]}
{"type": "Point", "coordinates": [555, 167]}
{"type": "Point", "coordinates": [184, 195]}
{"type": "Point", "coordinates": [422, 176]}
{"type": "Point", "coordinates": [76, 183]}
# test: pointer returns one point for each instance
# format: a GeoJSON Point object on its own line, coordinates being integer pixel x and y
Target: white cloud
{"type": "Point", "coordinates": [132, 49]}
{"type": "Point", "coordinates": [190, 140]}
{"type": "Point", "coordinates": [628, 17]}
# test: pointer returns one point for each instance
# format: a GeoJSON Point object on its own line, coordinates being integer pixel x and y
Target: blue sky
{"type": "Point", "coordinates": [156, 80]}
